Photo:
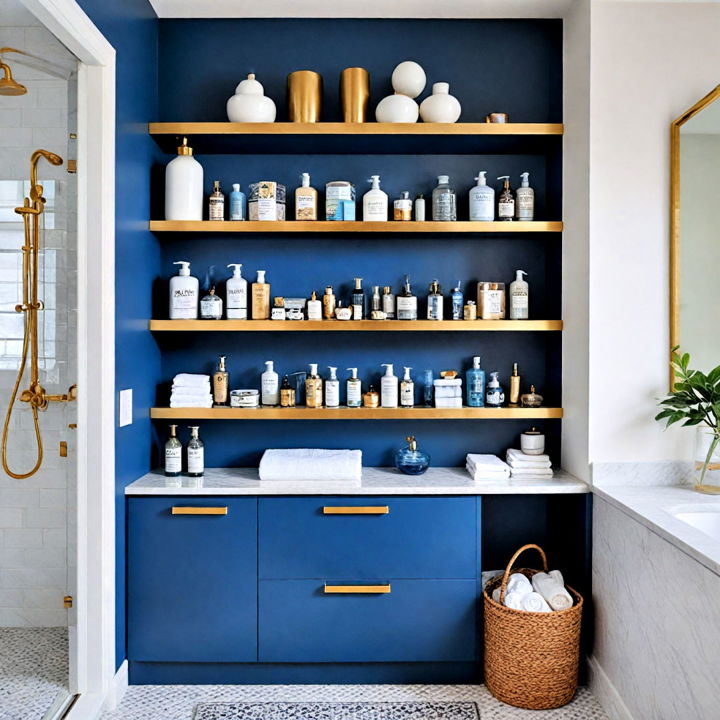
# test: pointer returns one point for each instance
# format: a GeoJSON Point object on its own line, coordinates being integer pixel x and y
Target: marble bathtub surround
{"type": "Point", "coordinates": [674, 472]}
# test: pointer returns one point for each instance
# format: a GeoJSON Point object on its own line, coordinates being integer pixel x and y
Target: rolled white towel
{"type": "Point", "coordinates": [534, 602]}
{"type": "Point", "coordinates": [555, 594]}
{"type": "Point", "coordinates": [514, 600]}
{"type": "Point", "coordinates": [521, 456]}
{"type": "Point", "coordinates": [531, 472]}
{"type": "Point", "coordinates": [297, 464]}
{"type": "Point", "coordinates": [190, 380]}
{"type": "Point", "coordinates": [518, 582]}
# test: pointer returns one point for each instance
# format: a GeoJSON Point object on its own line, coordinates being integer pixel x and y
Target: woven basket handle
{"type": "Point", "coordinates": [506, 576]}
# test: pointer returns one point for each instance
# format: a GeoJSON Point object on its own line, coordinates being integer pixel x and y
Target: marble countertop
{"type": "Point", "coordinates": [375, 481]}
{"type": "Point", "coordinates": [655, 507]}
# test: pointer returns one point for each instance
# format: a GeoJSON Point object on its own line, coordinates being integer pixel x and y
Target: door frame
{"type": "Point", "coordinates": [92, 667]}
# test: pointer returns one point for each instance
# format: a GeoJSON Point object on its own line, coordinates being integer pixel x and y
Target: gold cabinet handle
{"type": "Point", "coordinates": [356, 510]}
{"type": "Point", "coordinates": [357, 589]}
{"type": "Point", "coordinates": [199, 511]}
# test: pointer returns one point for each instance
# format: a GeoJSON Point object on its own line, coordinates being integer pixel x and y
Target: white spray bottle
{"type": "Point", "coordinates": [270, 385]}
{"type": "Point", "coordinates": [184, 293]}
{"type": "Point", "coordinates": [375, 202]}
{"type": "Point", "coordinates": [388, 388]}
{"type": "Point", "coordinates": [482, 200]}
{"type": "Point", "coordinates": [332, 389]}
{"type": "Point", "coordinates": [236, 294]}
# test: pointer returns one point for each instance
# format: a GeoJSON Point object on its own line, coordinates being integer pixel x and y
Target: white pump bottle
{"type": "Point", "coordinates": [519, 297]}
{"type": "Point", "coordinates": [184, 293]}
{"type": "Point", "coordinates": [388, 388]}
{"type": "Point", "coordinates": [525, 199]}
{"type": "Point", "coordinates": [375, 202]}
{"type": "Point", "coordinates": [236, 294]}
{"type": "Point", "coordinates": [332, 389]}
{"type": "Point", "coordinates": [407, 390]}
{"type": "Point", "coordinates": [354, 389]}
{"type": "Point", "coordinates": [482, 200]}
{"type": "Point", "coordinates": [270, 385]}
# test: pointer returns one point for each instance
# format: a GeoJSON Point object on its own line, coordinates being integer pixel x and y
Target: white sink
{"type": "Point", "coordinates": [705, 518]}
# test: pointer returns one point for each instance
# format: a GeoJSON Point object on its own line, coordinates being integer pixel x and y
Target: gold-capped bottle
{"type": "Point", "coordinates": [515, 386]}
{"type": "Point", "coordinates": [329, 303]}
{"type": "Point", "coordinates": [220, 383]}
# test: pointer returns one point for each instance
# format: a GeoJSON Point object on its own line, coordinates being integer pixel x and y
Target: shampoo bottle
{"type": "Point", "coordinates": [332, 389]}
{"type": "Point", "coordinates": [388, 388]}
{"type": "Point", "coordinates": [236, 294]}
{"type": "Point", "coordinates": [313, 388]}
{"type": "Point", "coordinates": [270, 384]}
{"type": "Point", "coordinates": [506, 200]}
{"type": "Point", "coordinates": [306, 200]}
{"type": "Point", "coordinates": [519, 297]}
{"type": "Point", "coordinates": [375, 202]}
{"type": "Point", "coordinates": [260, 297]}
{"type": "Point", "coordinates": [184, 292]}
{"type": "Point", "coordinates": [407, 390]}
{"type": "Point", "coordinates": [237, 203]}
{"type": "Point", "coordinates": [354, 389]}
{"type": "Point", "coordinates": [183, 186]}
{"type": "Point", "coordinates": [475, 384]}
{"type": "Point", "coordinates": [482, 200]}
{"type": "Point", "coordinates": [525, 205]}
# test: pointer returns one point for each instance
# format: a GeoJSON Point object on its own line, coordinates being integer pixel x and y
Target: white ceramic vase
{"type": "Point", "coordinates": [397, 109]}
{"type": "Point", "coordinates": [440, 107]}
{"type": "Point", "coordinates": [409, 79]}
{"type": "Point", "coordinates": [250, 104]}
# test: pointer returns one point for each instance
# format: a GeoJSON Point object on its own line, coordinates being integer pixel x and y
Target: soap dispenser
{"type": "Point", "coordinates": [375, 202]}
{"type": "Point", "coordinates": [407, 390]}
{"type": "Point", "coordinates": [184, 186]}
{"type": "Point", "coordinates": [506, 200]}
{"type": "Point", "coordinates": [411, 461]}
{"type": "Point", "coordinates": [525, 204]}
{"type": "Point", "coordinates": [354, 389]}
{"type": "Point", "coordinates": [435, 302]}
{"type": "Point", "coordinates": [313, 388]}
{"type": "Point", "coordinates": [184, 293]}
{"type": "Point", "coordinates": [482, 200]}
{"type": "Point", "coordinates": [475, 383]}
{"type": "Point", "coordinates": [270, 384]}
{"type": "Point", "coordinates": [388, 388]}
{"type": "Point", "coordinates": [495, 395]}
{"type": "Point", "coordinates": [306, 200]}
{"type": "Point", "coordinates": [332, 389]}
{"type": "Point", "coordinates": [236, 294]}
{"type": "Point", "coordinates": [260, 297]}
{"type": "Point", "coordinates": [519, 297]}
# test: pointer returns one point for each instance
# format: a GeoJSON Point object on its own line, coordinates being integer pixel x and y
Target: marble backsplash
{"type": "Point", "coordinates": [677, 472]}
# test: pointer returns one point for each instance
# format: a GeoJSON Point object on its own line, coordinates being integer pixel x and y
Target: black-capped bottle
{"type": "Point", "coordinates": [506, 200]}
{"type": "Point", "coordinates": [173, 454]}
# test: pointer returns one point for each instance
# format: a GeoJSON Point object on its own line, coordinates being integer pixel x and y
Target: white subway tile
{"type": "Point", "coordinates": [54, 538]}
{"type": "Point", "coordinates": [48, 557]}
{"type": "Point", "coordinates": [23, 538]}
{"type": "Point", "coordinates": [13, 617]}
{"type": "Point", "coordinates": [45, 518]}
{"type": "Point", "coordinates": [10, 117]}
{"type": "Point", "coordinates": [44, 117]}
{"type": "Point", "coordinates": [29, 578]}
{"type": "Point", "coordinates": [44, 598]}
{"type": "Point", "coordinates": [16, 137]}
{"type": "Point", "coordinates": [53, 499]}
{"type": "Point", "coordinates": [13, 498]}
{"type": "Point", "coordinates": [45, 618]}
{"type": "Point", "coordinates": [11, 517]}
{"type": "Point", "coordinates": [11, 599]}
{"type": "Point", "coordinates": [55, 140]}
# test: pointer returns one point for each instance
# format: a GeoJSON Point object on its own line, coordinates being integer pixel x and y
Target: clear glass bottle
{"type": "Point", "coordinates": [388, 303]}
{"type": "Point", "coordinates": [211, 306]}
{"type": "Point", "coordinates": [435, 302]}
{"type": "Point", "coordinates": [376, 300]}
{"type": "Point", "coordinates": [411, 461]}
{"type": "Point", "coordinates": [216, 203]}
{"type": "Point", "coordinates": [406, 302]}
{"type": "Point", "coordinates": [458, 301]}
{"type": "Point", "coordinates": [444, 201]}
{"type": "Point", "coordinates": [173, 454]}
{"type": "Point", "coordinates": [195, 453]}
{"type": "Point", "coordinates": [428, 388]}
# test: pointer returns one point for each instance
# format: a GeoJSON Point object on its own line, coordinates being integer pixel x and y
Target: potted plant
{"type": "Point", "coordinates": [695, 400]}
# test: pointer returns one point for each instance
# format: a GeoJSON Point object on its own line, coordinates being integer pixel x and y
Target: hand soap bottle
{"type": "Point", "coordinates": [184, 292]}
{"type": "Point", "coordinates": [173, 454]}
{"type": "Point", "coordinates": [260, 297]}
{"type": "Point", "coordinates": [314, 388]}
{"type": "Point", "coordinates": [482, 200]}
{"type": "Point", "coordinates": [506, 200]}
{"type": "Point", "coordinates": [237, 203]}
{"type": "Point", "coordinates": [525, 204]}
{"type": "Point", "coordinates": [236, 294]}
{"type": "Point", "coordinates": [495, 396]}
{"type": "Point", "coordinates": [435, 302]}
{"type": "Point", "coordinates": [354, 389]}
{"type": "Point", "coordinates": [332, 389]}
{"type": "Point", "coordinates": [195, 453]}
{"type": "Point", "coordinates": [407, 390]}
{"type": "Point", "coordinates": [406, 302]}
{"type": "Point", "coordinates": [270, 384]}
{"type": "Point", "coordinates": [519, 297]}
{"type": "Point", "coordinates": [306, 200]}
{"type": "Point", "coordinates": [375, 202]}
{"type": "Point", "coordinates": [183, 186]}
{"type": "Point", "coordinates": [475, 381]}
{"type": "Point", "coordinates": [314, 307]}
{"type": "Point", "coordinates": [220, 383]}
{"type": "Point", "coordinates": [388, 388]}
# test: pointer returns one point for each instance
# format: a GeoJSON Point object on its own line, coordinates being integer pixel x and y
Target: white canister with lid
{"type": "Point", "coordinates": [532, 442]}
{"type": "Point", "coordinates": [250, 104]}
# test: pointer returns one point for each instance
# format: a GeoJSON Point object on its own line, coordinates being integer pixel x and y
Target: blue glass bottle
{"type": "Point", "coordinates": [237, 203]}
{"type": "Point", "coordinates": [410, 460]}
{"type": "Point", "coordinates": [458, 301]}
{"type": "Point", "coordinates": [428, 388]}
{"type": "Point", "coordinates": [475, 382]}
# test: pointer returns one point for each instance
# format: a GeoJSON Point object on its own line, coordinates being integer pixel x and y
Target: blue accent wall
{"type": "Point", "coordinates": [132, 29]}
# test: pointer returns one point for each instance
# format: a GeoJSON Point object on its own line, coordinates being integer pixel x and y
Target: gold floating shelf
{"type": "Point", "coordinates": [345, 413]}
{"type": "Point", "coordinates": [354, 325]}
{"type": "Point", "coordinates": [358, 226]}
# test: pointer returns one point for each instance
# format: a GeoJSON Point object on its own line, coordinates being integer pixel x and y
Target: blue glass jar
{"type": "Point", "coordinates": [410, 460]}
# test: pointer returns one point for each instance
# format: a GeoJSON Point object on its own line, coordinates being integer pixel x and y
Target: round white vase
{"type": "Point", "coordinates": [250, 104]}
{"type": "Point", "coordinates": [397, 109]}
{"type": "Point", "coordinates": [409, 79]}
{"type": "Point", "coordinates": [440, 107]}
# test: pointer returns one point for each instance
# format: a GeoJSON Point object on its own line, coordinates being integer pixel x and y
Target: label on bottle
{"type": "Point", "coordinates": [407, 394]}
{"type": "Point", "coordinates": [236, 302]}
{"type": "Point", "coordinates": [313, 392]}
{"type": "Point", "coordinates": [184, 301]}
{"type": "Point", "coordinates": [402, 209]}
{"type": "Point", "coordinates": [287, 397]}
{"type": "Point", "coordinates": [260, 301]}
{"type": "Point", "coordinates": [457, 306]}
{"type": "Point", "coordinates": [332, 393]}
{"type": "Point", "coordinates": [357, 312]}
{"type": "Point", "coordinates": [493, 301]}
{"type": "Point", "coordinates": [173, 459]}
{"type": "Point", "coordinates": [481, 206]}
{"type": "Point", "coordinates": [525, 204]}
{"type": "Point", "coordinates": [270, 390]}
{"type": "Point", "coordinates": [435, 307]}
{"type": "Point", "coordinates": [495, 397]}
{"type": "Point", "coordinates": [236, 208]}
{"type": "Point", "coordinates": [388, 306]}
{"type": "Point", "coordinates": [388, 392]}
{"type": "Point", "coordinates": [305, 207]}
{"type": "Point", "coordinates": [444, 207]}
{"type": "Point", "coordinates": [220, 387]}
{"type": "Point", "coordinates": [375, 209]}
{"type": "Point", "coordinates": [406, 308]}
{"type": "Point", "coordinates": [211, 308]}
{"type": "Point", "coordinates": [196, 460]}
{"type": "Point", "coordinates": [519, 300]}
{"type": "Point", "coordinates": [216, 208]}
{"type": "Point", "coordinates": [506, 208]}
{"type": "Point", "coordinates": [314, 310]}
{"type": "Point", "coordinates": [354, 394]}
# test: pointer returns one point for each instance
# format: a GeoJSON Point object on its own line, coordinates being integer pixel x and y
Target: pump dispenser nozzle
{"type": "Point", "coordinates": [261, 277]}
{"type": "Point", "coordinates": [269, 364]}
{"type": "Point", "coordinates": [185, 267]}
{"type": "Point", "coordinates": [505, 179]}
{"type": "Point", "coordinates": [481, 178]}
{"type": "Point", "coordinates": [375, 180]}
{"type": "Point", "coordinates": [354, 373]}
{"type": "Point", "coordinates": [519, 274]}
{"type": "Point", "coordinates": [305, 179]}
{"type": "Point", "coordinates": [237, 269]}
{"type": "Point", "coordinates": [525, 177]}
{"type": "Point", "coordinates": [333, 371]}
{"type": "Point", "coordinates": [389, 371]}
{"type": "Point", "coordinates": [313, 368]}
{"type": "Point", "coordinates": [407, 373]}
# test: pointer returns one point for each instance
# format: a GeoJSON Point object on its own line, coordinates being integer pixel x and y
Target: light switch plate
{"type": "Point", "coordinates": [126, 413]}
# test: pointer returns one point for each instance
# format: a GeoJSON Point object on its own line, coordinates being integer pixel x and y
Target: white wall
{"type": "Point", "coordinates": [649, 63]}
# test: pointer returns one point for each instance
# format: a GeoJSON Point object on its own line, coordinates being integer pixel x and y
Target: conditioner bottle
{"type": "Point", "coordinates": [184, 293]}
{"type": "Point", "coordinates": [388, 388]}
{"type": "Point", "coordinates": [236, 294]}
{"type": "Point", "coordinates": [260, 297]}
{"type": "Point", "coordinates": [375, 202]}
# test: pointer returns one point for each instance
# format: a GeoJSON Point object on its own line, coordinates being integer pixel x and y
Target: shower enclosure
{"type": "Point", "coordinates": [37, 488]}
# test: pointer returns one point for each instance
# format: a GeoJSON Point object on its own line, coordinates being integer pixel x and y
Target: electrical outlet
{"type": "Point", "coordinates": [126, 412]}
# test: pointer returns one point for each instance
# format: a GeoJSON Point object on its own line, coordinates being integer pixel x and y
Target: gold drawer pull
{"type": "Point", "coordinates": [199, 511]}
{"type": "Point", "coordinates": [357, 589]}
{"type": "Point", "coordinates": [356, 510]}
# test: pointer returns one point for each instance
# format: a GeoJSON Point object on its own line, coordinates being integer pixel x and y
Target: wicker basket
{"type": "Point", "coordinates": [531, 658]}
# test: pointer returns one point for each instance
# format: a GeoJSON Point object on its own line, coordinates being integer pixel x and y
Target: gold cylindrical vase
{"type": "Point", "coordinates": [305, 89]}
{"type": "Point", "coordinates": [354, 94]}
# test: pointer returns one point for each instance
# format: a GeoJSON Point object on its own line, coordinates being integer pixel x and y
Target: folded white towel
{"type": "Point", "coordinates": [485, 462]}
{"type": "Point", "coordinates": [447, 382]}
{"type": "Point", "coordinates": [301, 464]}
{"type": "Point", "coordinates": [190, 380]}
{"type": "Point", "coordinates": [182, 390]}
{"type": "Point", "coordinates": [555, 594]}
{"type": "Point", "coordinates": [522, 464]}
{"type": "Point", "coordinates": [534, 602]}
{"type": "Point", "coordinates": [448, 402]}
{"type": "Point", "coordinates": [531, 472]}
{"type": "Point", "coordinates": [448, 392]}
{"type": "Point", "coordinates": [190, 402]}
{"type": "Point", "coordinates": [520, 455]}
{"type": "Point", "coordinates": [480, 475]}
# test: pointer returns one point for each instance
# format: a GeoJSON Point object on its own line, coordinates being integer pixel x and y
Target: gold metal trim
{"type": "Point", "coordinates": [199, 511]}
{"type": "Point", "coordinates": [358, 589]}
{"type": "Point", "coordinates": [356, 510]}
{"type": "Point", "coordinates": [710, 98]}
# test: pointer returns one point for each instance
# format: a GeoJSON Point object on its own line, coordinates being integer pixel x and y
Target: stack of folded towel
{"type": "Point", "coordinates": [522, 465]}
{"type": "Point", "coordinates": [486, 467]}
{"type": "Point", "coordinates": [448, 393]}
{"type": "Point", "coordinates": [191, 391]}
{"type": "Point", "coordinates": [546, 592]}
{"type": "Point", "coordinates": [303, 464]}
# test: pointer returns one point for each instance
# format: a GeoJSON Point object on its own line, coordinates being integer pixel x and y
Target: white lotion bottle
{"type": "Point", "coordinates": [519, 297]}
{"type": "Point", "coordinates": [184, 293]}
{"type": "Point", "coordinates": [525, 199]}
{"type": "Point", "coordinates": [270, 384]}
{"type": "Point", "coordinates": [388, 388]}
{"type": "Point", "coordinates": [184, 186]}
{"type": "Point", "coordinates": [482, 200]}
{"type": "Point", "coordinates": [332, 389]}
{"type": "Point", "coordinates": [236, 294]}
{"type": "Point", "coordinates": [375, 202]}
{"type": "Point", "coordinates": [354, 389]}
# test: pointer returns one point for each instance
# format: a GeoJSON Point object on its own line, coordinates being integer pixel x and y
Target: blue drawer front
{"type": "Point", "coordinates": [192, 581]}
{"type": "Point", "coordinates": [420, 537]}
{"type": "Point", "coordinates": [419, 621]}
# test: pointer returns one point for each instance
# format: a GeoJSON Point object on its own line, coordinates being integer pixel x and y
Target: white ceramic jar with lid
{"type": "Point", "coordinates": [532, 442]}
{"type": "Point", "coordinates": [440, 107]}
{"type": "Point", "coordinates": [250, 104]}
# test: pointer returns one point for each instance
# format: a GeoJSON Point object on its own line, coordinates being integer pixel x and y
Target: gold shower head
{"type": "Point", "coordinates": [8, 84]}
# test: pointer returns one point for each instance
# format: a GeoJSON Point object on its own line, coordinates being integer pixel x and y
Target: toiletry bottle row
{"type": "Point", "coordinates": [194, 452]}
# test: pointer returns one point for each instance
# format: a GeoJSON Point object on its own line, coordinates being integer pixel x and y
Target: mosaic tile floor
{"type": "Point", "coordinates": [33, 671]}
{"type": "Point", "coordinates": [177, 702]}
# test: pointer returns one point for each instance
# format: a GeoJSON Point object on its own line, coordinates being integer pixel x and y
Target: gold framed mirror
{"type": "Point", "coordinates": [694, 230]}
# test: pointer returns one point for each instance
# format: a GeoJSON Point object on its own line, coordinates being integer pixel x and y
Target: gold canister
{"type": "Point", "coordinates": [354, 94]}
{"type": "Point", "coordinates": [305, 89]}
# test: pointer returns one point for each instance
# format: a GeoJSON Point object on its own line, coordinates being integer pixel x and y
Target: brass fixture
{"type": "Point", "coordinates": [8, 84]}
{"type": "Point", "coordinates": [35, 395]}
{"type": "Point", "coordinates": [67, 602]}
{"type": "Point", "coordinates": [357, 589]}
{"type": "Point", "coordinates": [63, 448]}
{"type": "Point", "coordinates": [356, 510]}
{"type": "Point", "coordinates": [199, 510]}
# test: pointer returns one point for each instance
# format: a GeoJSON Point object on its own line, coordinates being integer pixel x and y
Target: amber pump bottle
{"type": "Point", "coordinates": [506, 200]}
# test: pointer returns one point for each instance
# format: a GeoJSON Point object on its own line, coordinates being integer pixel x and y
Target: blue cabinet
{"type": "Point", "coordinates": [192, 579]}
